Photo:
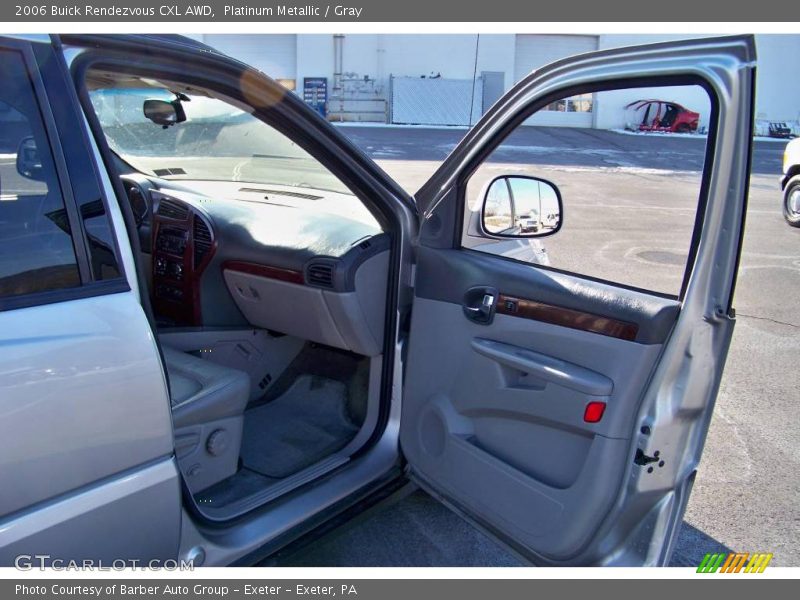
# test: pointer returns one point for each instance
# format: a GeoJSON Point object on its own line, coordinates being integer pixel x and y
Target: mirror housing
{"type": "Point", "coordinates": [29, 163]}
{"type": "Point", "coordinates": [521, 206]}
{"type": "Point", "coordinates": [164, 113]}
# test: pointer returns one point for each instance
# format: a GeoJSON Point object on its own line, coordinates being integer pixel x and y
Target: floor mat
{"type": "Point", "coordinates": [304, 425]}
{"type": "Point", "coordinates": [424, 533]}
{"type": "Point", "coordinates": [415, 532]}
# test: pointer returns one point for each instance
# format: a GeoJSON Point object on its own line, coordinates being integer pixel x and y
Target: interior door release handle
{"type": "Point", "coordinates": [486, 305]}
{"type": "Point", "coordinates": [548, 368]}
{"type": "Point", "coordinates": [480, 304]}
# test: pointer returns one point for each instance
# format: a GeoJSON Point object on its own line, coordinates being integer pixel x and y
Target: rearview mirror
{"type": "Point", "coordinates": [518, 206]}
{"type": "Point", "coordinates": [164, 113]}
{"type": "Point", "coordinates": [29, 164]}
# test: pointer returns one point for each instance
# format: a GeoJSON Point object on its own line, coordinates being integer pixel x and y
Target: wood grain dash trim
{"type": "Point", "coordinates": [279, 273]}
{"type": "Point", "coordinates": [566, 317]}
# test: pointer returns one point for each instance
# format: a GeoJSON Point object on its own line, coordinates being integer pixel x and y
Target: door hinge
{"type": "Point", "coordinates": [723, 314]}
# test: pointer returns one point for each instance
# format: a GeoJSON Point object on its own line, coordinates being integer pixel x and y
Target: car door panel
{"type": "Point", "coordinates": [522, 435]}
{"type": "Point", "coordinates": [494, 419]}
{"type": "Point", "coordinates": [84, 409]}
{"type": "Point", "coordinates": [130, 516]}
{"type": "Point", "coordinates": [73, 411]}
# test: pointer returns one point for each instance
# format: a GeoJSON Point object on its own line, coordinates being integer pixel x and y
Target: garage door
{"type": "Point", "coordinates": [275, 55]}
{"type": "Point", "coordinates": [534, 51]}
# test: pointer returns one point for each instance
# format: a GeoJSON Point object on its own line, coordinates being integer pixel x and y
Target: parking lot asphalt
{"type": "Point", "coordinates": [745, 496]}
{"type": "Point", "coordinates": [558, 146]}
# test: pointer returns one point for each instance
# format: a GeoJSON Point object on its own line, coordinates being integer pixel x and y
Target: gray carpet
{"type": "Point", "coordinates": [304, 425]}
{"type": "Point", "coordinates": [418, 531]}
{"type": "Point", "coordinates": [415, 532]}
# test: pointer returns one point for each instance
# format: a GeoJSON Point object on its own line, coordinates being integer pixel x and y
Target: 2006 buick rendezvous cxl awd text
{"type": "Point", "coordinates": [223, 327]}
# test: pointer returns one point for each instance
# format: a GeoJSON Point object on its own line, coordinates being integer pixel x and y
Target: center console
{"type": "Point", "coordinates": [183, 244]}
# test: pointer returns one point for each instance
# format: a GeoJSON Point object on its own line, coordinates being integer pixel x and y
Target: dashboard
{"type": "Point", "coordinates": [297, 261]}
{"type": "Point", "coordinates": [183, 244]}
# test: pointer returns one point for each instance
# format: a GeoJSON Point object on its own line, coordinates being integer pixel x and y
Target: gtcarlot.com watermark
{"type": "Point", "coordinates": [29, 562]}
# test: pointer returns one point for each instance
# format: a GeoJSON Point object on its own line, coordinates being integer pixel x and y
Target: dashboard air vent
{"type": "Point", "coordinates": [320, 274]}
{"type": "Point", "coordinates": [202, 240]}
{"type": "Point", "coordinates": [173, 209]}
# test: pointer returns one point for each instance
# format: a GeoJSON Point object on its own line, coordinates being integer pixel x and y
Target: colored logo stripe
{"type": "Point", "coordinates": [734, 562]}
{"type": "Point", "coordinates": [710, 563]}
{"type": "Point", "coordinates": [758, 563]}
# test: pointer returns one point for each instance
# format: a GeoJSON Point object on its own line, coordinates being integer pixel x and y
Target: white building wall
{"type": "Point", "coordinates": [451, 55]}
{"type": "Point", "coordinates": [314, 57]}
{"type": "Point", "coordinates": [777, 95]}
{"type": "Point", "coordinates": [273, 54]}
{"type": "Point", "coordinates": [777, 80]}
{"type": "Point", "coordinates": [535, 51]}
{"type": "Point", "coordinates": [379, 56]}
{"type": "Point", "coordinates": [406, 55]}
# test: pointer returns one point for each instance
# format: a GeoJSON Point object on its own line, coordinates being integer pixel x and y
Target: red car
{"type": "Point", "coordinates": [661, 115]}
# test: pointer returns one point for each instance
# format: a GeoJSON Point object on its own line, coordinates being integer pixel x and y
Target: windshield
{"type": "Point", "coordinates": [217, 142]}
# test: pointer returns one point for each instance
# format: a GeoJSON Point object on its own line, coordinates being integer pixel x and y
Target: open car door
{"type": "Point", "coordinates": [504, 357]}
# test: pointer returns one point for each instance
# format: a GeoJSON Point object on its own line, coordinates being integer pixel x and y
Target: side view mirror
{"type": "Point", "coordinates": [164, 113]}
{"type": "Point", "coordinates": [519, 206]}
{"type": "Point", "coordinates": [29, 164]}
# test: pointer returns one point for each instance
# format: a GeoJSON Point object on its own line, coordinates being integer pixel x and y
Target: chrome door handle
{"type": "Point", "coordinates": [480, 303]}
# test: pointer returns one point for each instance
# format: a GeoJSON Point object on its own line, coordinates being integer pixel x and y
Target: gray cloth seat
{"type": "Point", "coordinates": [202, 391]}
{"type": "Point", "coordinates": [208, 402]}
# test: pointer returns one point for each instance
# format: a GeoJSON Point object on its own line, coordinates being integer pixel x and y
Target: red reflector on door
{"type": "Point", "coordinates": [594, 412]}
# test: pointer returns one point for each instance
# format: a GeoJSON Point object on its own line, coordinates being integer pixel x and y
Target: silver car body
{"type": "Point", "coordinates": [84, 404]}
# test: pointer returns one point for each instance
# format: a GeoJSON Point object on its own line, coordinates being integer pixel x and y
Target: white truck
{"type": "Point", "coordinates": [790, 183]}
